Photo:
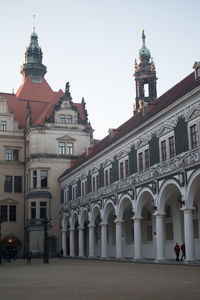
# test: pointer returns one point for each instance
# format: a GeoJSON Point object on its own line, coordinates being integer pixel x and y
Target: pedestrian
{"type": "Point", "coordinates": [177, 251]}
{"type": "Point", "coordinates": [183, 257]}
{"type": "Point", "coordinates": [29, 256]}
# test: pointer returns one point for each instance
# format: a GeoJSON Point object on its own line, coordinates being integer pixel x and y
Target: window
{"type": "Point", "coordinates": [163, 150]}
{"type": "Point", "coordinates": [126, 168]}
{"type": "Point", "coordinates": [18, 184]}
{"type": "Point", "coordinates": [69, 119]}
{"type": "Point", "coordinates": [8, 184]}
{"type": "Point", "coordinates": [108, 176]}
{"type": "Point", "coordinates": [33, 210]}
{"type": "Point", "coordinates": [171, 147]}
{"type": "Point", "coordinates": [146, 156]}
{"type": "Point", "coordinates": [4, 213]}
{"type": "Point", "coordinates": [95, 182]}
{"type": "Point", "coordinates": [12, 154]}
{"type": "Point", "coordinates": [193, 136]}
{"type": "Point", "coordinates": [34, 178]}
{"type": "Point", "coordinates": [43, 210]}
{"type": "Point", "coordinates": [3, 125]}
{"type": "Point", "coordinates": [43, 178]}
{"type": "Point", "coordinates": [84, 187]}
{"type": "Point", "coordinates": [12, 213]}
{"type": "Point", "coordinates": [121, 168]}
{"type": "Point", "coordinates": [69, 148]}
{"type": "Point", "coordinates": [74, 192]}
{"type": "Point", "coordinates": [8, 154]}
{"type": "Point", "coordinates": [8, 213]}
{"type": "Point", "coordinates": [167, 147]}
{"type": "Point", "coordinates": [62, 148]}
{"type": "Point", "coordinates": [140, 161]}
{"type": "Point", "coordinates": [62, 118]}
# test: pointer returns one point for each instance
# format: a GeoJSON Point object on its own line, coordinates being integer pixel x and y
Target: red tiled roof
{"type": "Point", "coordinates": [34, 91]}
{"type": "Point", "coordinates": [42, 100]}
{"type": "Point", "coordinates": [171, 96]}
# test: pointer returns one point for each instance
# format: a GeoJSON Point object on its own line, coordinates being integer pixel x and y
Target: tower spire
{"type": "Point", "coordinates": [33, 23]}
{"type": "Point", "coordinates": [33, 66]}
{"type": "Point", "coordinates": [145, 77]}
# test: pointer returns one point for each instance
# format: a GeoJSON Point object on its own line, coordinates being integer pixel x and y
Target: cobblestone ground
{"type": "Point", "coordinates": [89, 279]}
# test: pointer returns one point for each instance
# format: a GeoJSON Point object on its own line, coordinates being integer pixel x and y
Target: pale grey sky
{"type": "Point", "coordinates": [93, 45]}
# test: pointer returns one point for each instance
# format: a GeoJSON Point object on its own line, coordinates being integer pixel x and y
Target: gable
{"type": "Point", "coordinates": [66, 138]}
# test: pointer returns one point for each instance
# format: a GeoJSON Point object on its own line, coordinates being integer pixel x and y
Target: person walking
{"type": "Point", "coordinates": [29, 256]}
{"type": "Point", "coordinates": [183, 257]}
{"type": "Point", "coordinates": [177, 251]}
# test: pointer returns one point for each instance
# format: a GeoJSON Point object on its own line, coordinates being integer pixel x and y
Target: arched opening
{"type": "Point", "coordinates": [126, 214]}
{"type": "Point", "coordinates": [170, 203]}
{"type": "Point", "coordinates": [109, 218]}
{"type": "Point", "coordinates": [194, 202]}
{"type": "Point", "coordinates": [11, 247]}
{"type": "Point", "coordinates": [96, 221]}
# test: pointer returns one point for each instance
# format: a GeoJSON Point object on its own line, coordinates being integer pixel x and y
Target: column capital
{"type": "Point", "coordinates": [91, 226]}
{"type": "Point", "coordinates": [103, 224]}
{"type": "Point", "coordinates": [80, 228]}
{"type": "Point", "coordinates": [118, 221]}
{"type": "Point", "coordinates": [64, 230]}
{"type": "Point", "coordinates": [136, 218]}
{"type": "Point", "coordinates": [71, 229]}
{"type": "Point", "coordinates": [187, 210]}
{"type": "Point", "coordinates": [159, 215]}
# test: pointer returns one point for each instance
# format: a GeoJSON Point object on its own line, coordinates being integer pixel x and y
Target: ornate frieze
{"type": "Point", "coordinates": [127, 184]}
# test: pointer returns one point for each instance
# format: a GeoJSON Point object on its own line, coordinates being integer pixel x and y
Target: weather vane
{"type": "Point", "coordinates": [34, 23]}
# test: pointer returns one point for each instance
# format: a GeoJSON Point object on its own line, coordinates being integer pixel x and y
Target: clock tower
{"type": "Point", "coordinates": [145, 77]}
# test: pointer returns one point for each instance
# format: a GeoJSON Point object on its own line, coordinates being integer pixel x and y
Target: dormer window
{"type": "Point", "coordinates": [3, 125]}
{"type": "Point", "coordinates": [196, 68]}
{"type": "Point", "coordinates": [62, 119]}
{"type": "Point", "coordinates": [69, 119]}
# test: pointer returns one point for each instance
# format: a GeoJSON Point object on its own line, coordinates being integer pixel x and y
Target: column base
{"type": "Point", "coordinates": [160, 260]}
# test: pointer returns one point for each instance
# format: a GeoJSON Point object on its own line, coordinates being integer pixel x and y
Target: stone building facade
{"type": "Point", "coordinates": [136, 193]}
{"type": "Point", "coordinates": [42, 132]}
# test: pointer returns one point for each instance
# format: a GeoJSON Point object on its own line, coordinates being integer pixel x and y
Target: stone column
{"type": "Point", "coordinates": [118, 239]}
{"type": "Point", "coordinates": [138, 238]}
{"type": "Point", "coordinates": [81, 241]}
{"type": "Point", "coordinates": [160, 238]}
{"type": "Point", "coordinates": [72, 253]}
{"type": "Point", "coordinates": [64, 242]}
{"type": "Point", "coordinates": [103, 240]}
{"type": "Point", "coordinates": [189, 234]}
{"type": "Point", "coordinates": [91, 240]}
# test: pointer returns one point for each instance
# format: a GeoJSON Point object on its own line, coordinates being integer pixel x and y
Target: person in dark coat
{"type": "Point", "coordinates": [29, 256]}
{"type": "Point", "coordinates": [183, 257]}
{"type": "Point", "coordinates": [177, 251]}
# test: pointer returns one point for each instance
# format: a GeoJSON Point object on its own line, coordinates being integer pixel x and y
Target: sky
{"type": "Point", "coordinates": [93, 44]}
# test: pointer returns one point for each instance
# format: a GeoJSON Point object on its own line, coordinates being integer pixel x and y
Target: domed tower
{"type": "Point", "coordinates": [33, 66]}
{"type": "Point", "coordinates": [145, 77]}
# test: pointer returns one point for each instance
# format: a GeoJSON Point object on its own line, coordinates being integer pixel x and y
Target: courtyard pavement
{"type": "Point", "coordinates": [92, 279]}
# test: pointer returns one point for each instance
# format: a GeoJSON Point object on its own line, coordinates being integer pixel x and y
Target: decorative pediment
{"type": "Point", "coordinates": [195, 112]}
{"type": "Point", "coordinates": [141, 143]}
{"type": "Point", "coordinates": [83, 176]}
{"type": "Point", "coordinates": [164, 130]}
{"type": "Point", "coordinates": [2, 99]}
{"type": "Point", "coordinates": [122, 154]}
{"type": "Point", "coordinates": [94, 170]}
{"type": "Point", "coordinates": [106, 163]}
{"type": "Point", "coordinates": [66, 138]}
{"type": "Point", "coordinates": [9, 201]}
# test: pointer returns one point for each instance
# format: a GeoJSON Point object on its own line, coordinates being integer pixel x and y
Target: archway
{"type": "Point", "coordinates": [170, 204]}
{"type": "Point", "coordinates": [144, 212]}
{"type": "Point", "coordinates": [125, 214]}
{"type": "Point", "coordinates": [109, 217]}
{"type": "Point", "coordinates": [96, 222]}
